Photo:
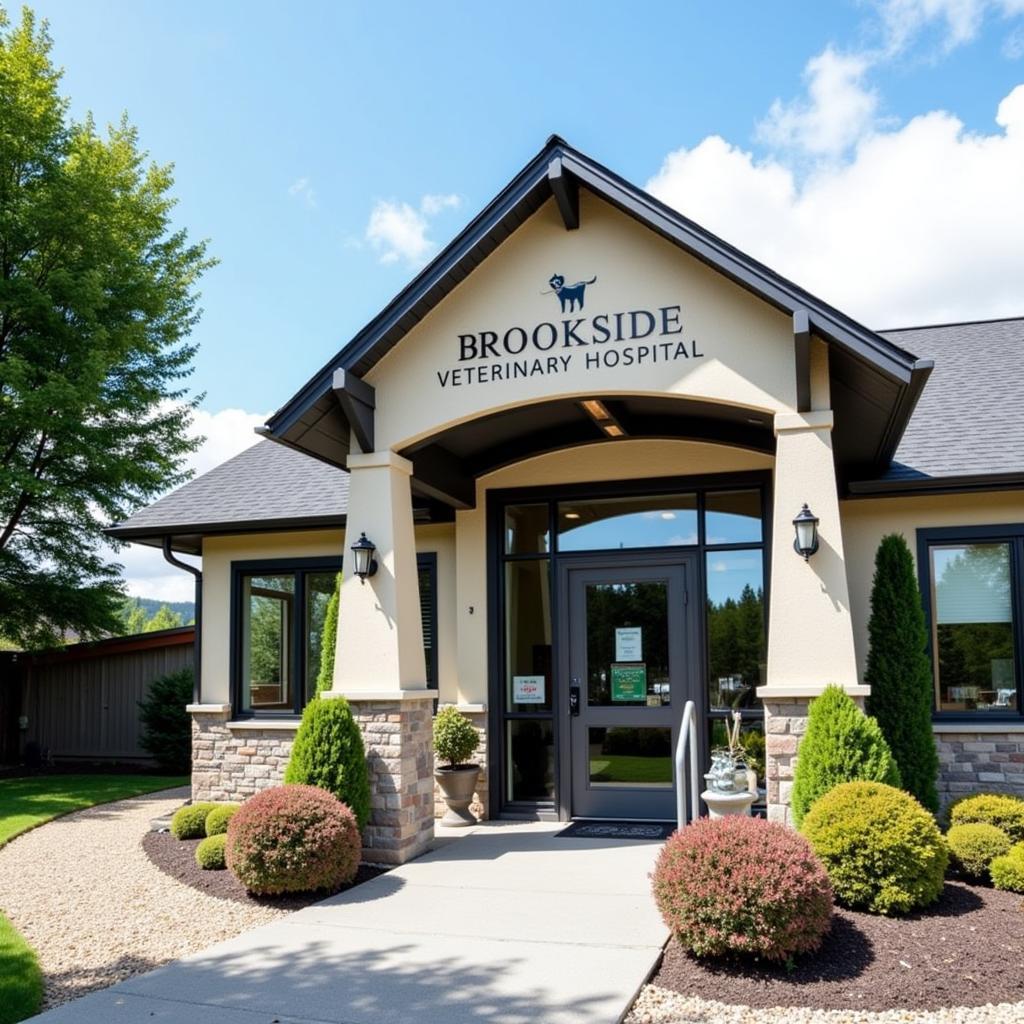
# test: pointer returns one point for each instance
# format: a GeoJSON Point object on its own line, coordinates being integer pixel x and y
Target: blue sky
{"type": "Point", "coordinates": [327, 149]}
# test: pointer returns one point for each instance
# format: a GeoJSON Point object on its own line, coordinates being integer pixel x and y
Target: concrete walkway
{"type": "Point", "coordinates": [505, 924]}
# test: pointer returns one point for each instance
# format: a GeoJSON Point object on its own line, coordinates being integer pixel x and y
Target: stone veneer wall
{"type": "Point", "coordinates": [481, 798]}
{"type": "Point", "coordinates": [975, 761]}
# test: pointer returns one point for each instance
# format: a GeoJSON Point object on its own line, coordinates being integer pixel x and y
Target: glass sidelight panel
{"type": "Point", "coordinates": [736, 636]}
{"type": "Point", "coordinates": [527, 529]}
{"type": "Point", "coordinates": [974, 630]}
{"type": "Point", "coordinates": [631, 756]}
{"type": "Point", "coordinates": [635, 522]}
{"type": "Point", "coordinates": [267, 641]}
{"type": "Point", "coordinates": [528, 678]}
{"type": "Point", "coordinates": [627, 644]}
{"type": "Point", "coordinates": [319, 589]}
{"type": "Point", "coordinates": [531, 759]}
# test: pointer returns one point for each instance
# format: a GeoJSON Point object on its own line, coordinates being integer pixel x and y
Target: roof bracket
{"type": "Point", "coordinates": [566, 190]}
{"type": "Point", "coordinates": [357, 400]}
{"type": "Point", "coordinates": [802, 346]}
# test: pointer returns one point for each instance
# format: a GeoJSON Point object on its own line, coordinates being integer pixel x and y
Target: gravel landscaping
{"type": "Point", "coordinates": [87, 898]}
{"type": "Point", "coordinates": [967, 951]}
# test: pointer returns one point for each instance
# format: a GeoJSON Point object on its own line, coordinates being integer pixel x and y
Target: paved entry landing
{"type": "Point", "coordinates": [505, 924]}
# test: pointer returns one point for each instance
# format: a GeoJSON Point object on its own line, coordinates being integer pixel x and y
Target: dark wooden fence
{"type": "Point", "coordinates": [82, 702]}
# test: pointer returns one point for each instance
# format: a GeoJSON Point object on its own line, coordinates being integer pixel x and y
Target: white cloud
{"type": "Point", "coordinates": [958, 21]}
{"type": "Point", "coordinates": [227, 432]}
{"type": "Point", "coordinates": [398, 231]}
{"type": "Point", "coordinates": [838, 111]}
{"type": "Point", "coordinates": [302, 189]}
{"type": "Point", "coordinates": [921, 224]}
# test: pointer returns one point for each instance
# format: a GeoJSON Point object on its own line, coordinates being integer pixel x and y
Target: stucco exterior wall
{"type": "Point", "coordinates": [867, 520]}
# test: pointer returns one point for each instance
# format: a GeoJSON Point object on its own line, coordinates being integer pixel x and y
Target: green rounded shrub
{"type": "Point", "coordinates": [217, 820]}
{"type": "Point", "coordinates": [1005, 812]}
{"type": "Point", "coordinates": [973, 847]}
{"type": "Point", "coordinates": [881, 848]}
{"type": "Point", "coordinates": [455, 737]}
{"type": "Point", "coordinates": [328, 752]}
{"type": "Point", "coordinates": [841, 745]}
{"type": "Point", "coordinates": [293, 839]}
{"type": "Point", "coordinates": [189, 822]}
{"type": "Point", "coordinates": [1007, 871]}
{"type": "Point", "coordinates": [742, 885]}
{"type": "Point", "coordinates": [210, 852]}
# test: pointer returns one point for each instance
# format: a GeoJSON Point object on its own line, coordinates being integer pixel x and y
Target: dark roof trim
{"type": "Point", "coordinates": [155, 534]}
{"type": "Point", "coordinates": [526, 191]}
{"type": "Point", "coordinates": [962, 484]}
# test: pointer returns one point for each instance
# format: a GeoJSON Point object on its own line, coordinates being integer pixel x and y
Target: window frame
{"type": "Point", "coordinates": [300, 568]}
{"type": "Point", "coordinates": [1011, 534]}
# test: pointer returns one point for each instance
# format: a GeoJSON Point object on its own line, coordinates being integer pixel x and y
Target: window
{"type": "Point", "coordinates": [970, 581]}
{"type": "Point", "coordinates": [279, 613]}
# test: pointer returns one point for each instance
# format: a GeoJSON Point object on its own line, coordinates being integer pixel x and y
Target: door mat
{"type": "Point", "coordinates": [658, 830]}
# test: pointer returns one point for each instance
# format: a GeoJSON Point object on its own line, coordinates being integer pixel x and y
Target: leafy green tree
{"type": "Point", "coordinates": [163, 618]}
{"type": "Point", "coordinates": [899, 672]}
{"type": "Point", "coordinates": [97, 299]}
{"type": "Point", "coordinates": [133, 618]}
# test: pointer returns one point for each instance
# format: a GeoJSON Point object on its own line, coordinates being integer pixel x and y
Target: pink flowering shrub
{"type": "Point", "coordinates": [293, 839]}
{"type": "Point", "coordinates": [743, 885]}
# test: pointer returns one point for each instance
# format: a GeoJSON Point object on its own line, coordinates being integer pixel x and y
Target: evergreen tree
{"type": "Point", "coordinates": [163, 618]}
{"type": "Point", "coordinates": [328, 644]}
{"type": "Point", "coordinates": [97, 299]}
{"type": "Point", "coordinates": [899, 672]}
{"type": "Point", "coordinates": [166, 725]}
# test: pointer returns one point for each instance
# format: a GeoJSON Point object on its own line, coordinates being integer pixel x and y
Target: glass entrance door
{"type": "Point", "coordinates": [629, 646]}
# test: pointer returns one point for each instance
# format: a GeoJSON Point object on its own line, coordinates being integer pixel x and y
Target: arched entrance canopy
{"type": "Point", "coordinates": [447, 463]}
{"type": "Point", "coordinates": [874, 384]}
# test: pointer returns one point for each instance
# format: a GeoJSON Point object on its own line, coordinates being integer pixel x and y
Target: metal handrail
{"type": "Point", "coordinates": [687, 738]}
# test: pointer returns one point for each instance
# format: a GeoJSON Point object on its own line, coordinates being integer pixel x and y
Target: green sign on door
{"type": "Point", "coordinates": [629, 682]}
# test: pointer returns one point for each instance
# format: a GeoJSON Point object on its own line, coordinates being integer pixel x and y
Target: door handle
{"type": "Point", "coordinates": [574, 700]}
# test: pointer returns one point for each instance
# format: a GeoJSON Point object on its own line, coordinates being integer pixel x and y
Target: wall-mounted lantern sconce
{"type": "Point", "coordinates": [806, 525]}
{"type": "Point", "coordinates": [366, 564]}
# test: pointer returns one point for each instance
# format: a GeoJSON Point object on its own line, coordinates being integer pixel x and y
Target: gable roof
{"type": "Point", "coordinates": [870, 372]}
{"type": "Point", "coordinates": [967, 431]}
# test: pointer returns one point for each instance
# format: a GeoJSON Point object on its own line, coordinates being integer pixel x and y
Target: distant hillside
{"type": "Point", "coordinates": [186, 609]}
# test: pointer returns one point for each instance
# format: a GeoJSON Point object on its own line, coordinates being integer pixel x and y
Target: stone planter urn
{"type": "Point", "coordinates": [458, 784]}
{"type": "Point", "coordinates": [455, 740]}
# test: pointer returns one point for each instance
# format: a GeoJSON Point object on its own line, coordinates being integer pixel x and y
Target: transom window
{"type": "Point", "coordinates": [970, 580]}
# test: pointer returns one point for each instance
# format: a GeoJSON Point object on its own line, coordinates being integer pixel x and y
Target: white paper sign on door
{"type": "Point", "coordinates": [527, 689]}
{"type": "Point", "coordinates": [629, 643]}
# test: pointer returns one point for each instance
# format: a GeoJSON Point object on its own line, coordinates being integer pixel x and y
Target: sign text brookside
{"type": "Point", "coordinates": [607, 340]}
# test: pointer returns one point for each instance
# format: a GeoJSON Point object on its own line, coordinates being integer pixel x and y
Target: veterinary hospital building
{"type": "Point", "coordinates": [607, 464]}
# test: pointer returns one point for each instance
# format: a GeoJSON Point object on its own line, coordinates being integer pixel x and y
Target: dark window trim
{"type": "Point", "coordinates": [299, 567]}
{"type": "Point", "coordinates": [498, 498]}
{"type": "Point", "coordinates": [428, 560]}
{"type": "Point", "coordinates": [1010, 533]}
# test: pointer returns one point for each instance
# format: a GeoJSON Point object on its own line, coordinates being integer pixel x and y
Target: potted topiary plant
{"type": "Point", "coordinates": [455, 740]}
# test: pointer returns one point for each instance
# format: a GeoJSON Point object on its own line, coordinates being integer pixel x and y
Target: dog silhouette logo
{"type": "Point", "coordinates": [570, 295]}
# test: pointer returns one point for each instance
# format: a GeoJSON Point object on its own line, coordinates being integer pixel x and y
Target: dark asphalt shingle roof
{"type": "Point", "coordinates": [266, 484]}
{"type": "Point", "coordinates": [968, 421]}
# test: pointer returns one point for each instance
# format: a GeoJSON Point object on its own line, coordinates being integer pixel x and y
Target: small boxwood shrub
{"type": "Point", "coordinates": [973, 847]}
{"type": "Point", "coordinates": [1005, 812]}
{"type": "Point", "coordinates": [881, 848]}
{"type": "Point", "coordinates": [455, 737]}
{"type": "Point", "coordinates": [743, 885]}
{"type": "Point", "coordinates": [841, 745]}
{"type": "Point", "coordinates": [210, 852]}
{"type": "Point", "coordinates": [328, 752]}
{"type": "Point", "coordinates": [217, 820]}
{"type": "Point", "coordinates": [293, 839]}
{"type": "Point", "coordinates": [1007, 871]}
{"type": "Point", "coordinates": [189, 822]}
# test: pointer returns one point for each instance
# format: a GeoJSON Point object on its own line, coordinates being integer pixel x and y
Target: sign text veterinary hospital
{"type": "Point", "coordinates": [606, 340]}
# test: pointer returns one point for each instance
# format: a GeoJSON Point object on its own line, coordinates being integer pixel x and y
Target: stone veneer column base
{"type": "Point", "coordinates": [232, 764]}
{"type": "Point", "coordinates": [481, 798]}
{"type": "Point", "coordinates": [398, 735]}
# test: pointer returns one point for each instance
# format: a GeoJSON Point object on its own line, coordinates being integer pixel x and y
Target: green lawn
{"type": "Point", "coordinates": [26, 803]}
{"type": "Point", "coordinates": [21, 981]}
{"type": "Point", "coordinates": [630, 770]}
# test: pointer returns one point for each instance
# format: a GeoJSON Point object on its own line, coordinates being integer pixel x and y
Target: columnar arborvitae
{"type": "Point", "coordinates": [899, 672]}
{"type": "Point", "coordinates": [329, 640]}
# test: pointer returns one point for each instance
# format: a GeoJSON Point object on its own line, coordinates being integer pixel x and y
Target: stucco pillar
{"type": "Point", "coordinates": [379, 666]}
{"type": "Point", "coordinates": [810, 631]}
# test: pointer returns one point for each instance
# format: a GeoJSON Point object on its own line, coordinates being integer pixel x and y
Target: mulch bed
{"type": "Point", "coordinates": [965, 950]}
{"type": "Point", "coordinates": [177, 858]}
